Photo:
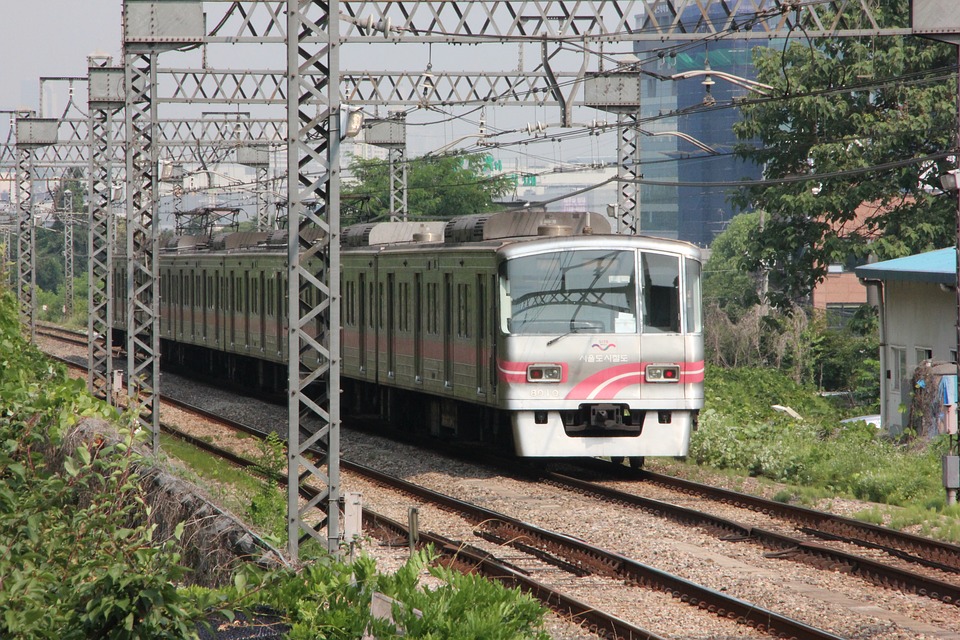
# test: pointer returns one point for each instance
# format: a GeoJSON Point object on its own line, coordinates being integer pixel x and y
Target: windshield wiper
{"type": "Point", "coordinates": [561, 337]}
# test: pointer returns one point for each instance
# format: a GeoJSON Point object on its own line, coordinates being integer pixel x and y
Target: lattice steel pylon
{"type": "Point", "coordinates": [106, 98]}
{"type": "Point", "coordinates": [313, 64]}
{"type": "Point", "coordinates": [628, 172]}
{"type": "Point", "coordinates": [32, 133]}
{"type": "Point", "coordinates": [398, 184]}
{"type": "Point", "coordinates": [26, 258]}
{"type": "Point", "coordinates": [143, 336]}
{"type": "Point", "coordinates": [149, 28]}
{"type": "Point", "coordinates": [68, 219]}
{"type": "Point", "coordinates": [258, 158]}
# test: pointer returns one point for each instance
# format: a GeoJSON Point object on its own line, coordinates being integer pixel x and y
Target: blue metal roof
{"type": "Point", "coordinates": [938, 267]}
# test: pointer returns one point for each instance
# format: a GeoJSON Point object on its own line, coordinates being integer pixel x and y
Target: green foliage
{"type": "Point", "coordinates": [740, 330]}
{"type": "Point", "coordinates": [739, 430]}
{"type": "Point", "coordinates": [268, 508]}
{"type": "Point", "coordinates": [746, 395]}
{"type": "Point", "coordinates": [77, 554]}
{"type": "Point", "coordinates": [331, 599]}
{"type": "Point", "coordinates": [438, 187]}
{"type": "Point", "coordinates": [844, 110]}
{"type": "Point", "coordinates": [727, 281]}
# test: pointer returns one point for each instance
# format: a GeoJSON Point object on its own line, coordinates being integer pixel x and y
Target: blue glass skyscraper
{"type": "Point", "coordinates": [693, 202]}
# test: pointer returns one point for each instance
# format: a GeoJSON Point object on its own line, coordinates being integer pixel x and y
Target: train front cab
{"type": "Point", "coordinates": [601, 351]}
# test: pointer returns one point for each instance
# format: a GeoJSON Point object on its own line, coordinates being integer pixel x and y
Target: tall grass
{"type": "Point", "coordinates": [740, 431]}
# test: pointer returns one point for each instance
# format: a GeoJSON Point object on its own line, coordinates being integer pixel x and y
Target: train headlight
{"type": "Point", "coordinates": [662, 373]}
{"type": "Point", "coordinates": [544, 373]}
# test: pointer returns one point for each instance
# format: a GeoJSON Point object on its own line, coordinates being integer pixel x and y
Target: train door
{"type": "Point", "coordinates": [280, 311]}
{"type": "Point", "coordinates": [262, 309]}
{"type": "Point", "coordinates": [362, 321]}
{"type": "Point", "coordinates": [480, 336]}
{"type": "Point", "coordinates": [175, 304]}
{"type": "Point", "coordinates": [204, 303]}
{"type": "Point", "coordinates": [491, 334]}
{"type": "Point", "coordinates": [217, 306]}
{"type": "Point", "coordinates": [448, 330]}
{"type": "Point", "coordinates": [164, 301]}
{"type": "Point", "coordinates": [194, 295]}
{"type": "Point", "coordinates": [245, 308]}
{"type": "Point", "coordinates": [391, 324]}
{"type": "Point", "coordinates": [418, 328]}
{"type": "Point", "coordinates": [232, 309]}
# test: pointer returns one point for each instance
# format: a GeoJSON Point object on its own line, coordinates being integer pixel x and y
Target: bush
{"type": "Point", "coordinates": [78, 557]}
{"type": "Point", "coordinates": [331, 599]}
{"type": "Point", "coordinates": [739, 430]}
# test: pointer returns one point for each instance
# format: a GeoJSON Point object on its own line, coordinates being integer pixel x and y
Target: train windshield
{"type": "Point", "coordinates": [582, 291]}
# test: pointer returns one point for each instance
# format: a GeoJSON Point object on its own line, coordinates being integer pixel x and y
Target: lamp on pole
{"type": "Point", "coordinates": [752, 86]}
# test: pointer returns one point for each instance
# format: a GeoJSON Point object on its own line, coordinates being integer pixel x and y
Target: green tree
{"type": "Point", "coordinates": [438, 187]}
{"type": "Point", "coordinates": [728, 281]}
{"type": "Point", "coordinates": [851, 114]}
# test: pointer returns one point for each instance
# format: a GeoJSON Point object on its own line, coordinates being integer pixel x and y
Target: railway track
{"type": "Point", "coordinates": [820, 543]}
{"type": "Point", "coordinates": [941, 558]}
{"type": "Point", "coordinates": [56, 332]}
{"type": "Point", "coordinates": [570, 554]}
{"type": "Point", "coordinates": [501, 530]}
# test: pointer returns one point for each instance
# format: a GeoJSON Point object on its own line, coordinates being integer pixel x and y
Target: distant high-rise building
{"type": "Point", "coordinates": [692, 203]}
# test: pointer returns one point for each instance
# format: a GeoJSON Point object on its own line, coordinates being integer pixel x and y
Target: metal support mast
{"type": "Point", "coordinates": [31, 134]}
{"type": "Point", "coordinates": [313, 139]}
{"type": "Point", "coordinates": [391, 134]}
{"type": "Point", "coordinates": [628, 172]}
{"type": "Point", "coordinates": [149, 27]}
{"type": "Point", "coordinates": [258, 158]}
{"type": "Point", "coordinates": [68, 261]}
{"type": "Point", "coordinates": [143, 336]}
{"type": "Point", "coordinates": [105, 99]}
{"type": "Point", "coordinates": [398, 184]}
{"type": "Point", "coordinates": [26, 260]}
{"type": "Point", "coordinates": [264, 223]}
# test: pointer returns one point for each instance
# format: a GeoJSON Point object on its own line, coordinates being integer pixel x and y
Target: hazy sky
{"type": "Point", "coordinates": [43, 38]}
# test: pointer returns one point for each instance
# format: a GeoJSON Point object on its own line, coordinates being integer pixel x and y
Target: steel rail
{"type": "Point", "coordinates": [457, 554]}
{"type": "Point", "coordinates": [466, 557]}
{"type": "Point", "coordinates": [786, 546]}
{"type": "Point", "coordinates": [614, 563]}
{"type": "Point", "coordinates": [820, 523]}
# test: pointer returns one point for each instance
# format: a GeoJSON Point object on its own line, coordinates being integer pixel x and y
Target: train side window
{"type": "Point", "coordinates": [382, 306]}
{"type": "Point", "coordinates": [661, 293]}
{"type": "Point", "coordinates": [433, 306]}
{"type": "Point", "coordinates": [352, 303]}
{"type": "Point", "coordinates": [268, 291]}
{"type": "Point", "coordinates": [361, 299]}
{"type": "Point", "coordinates": [346, 307]}
{"type": "Point", "coordinates": [404, 306]}
{"type": "Point", "coordinates": [691, 295]}
{"type": "Point", "coordinates": [463, 310]}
